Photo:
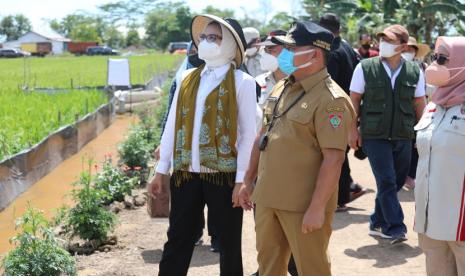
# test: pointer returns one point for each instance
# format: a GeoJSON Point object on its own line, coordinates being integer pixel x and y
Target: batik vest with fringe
{"type": "Point", "coordinates": [218, 131]}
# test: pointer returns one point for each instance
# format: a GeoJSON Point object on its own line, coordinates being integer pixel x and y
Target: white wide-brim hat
{"type": "Point", "coordinates": [199, 22]}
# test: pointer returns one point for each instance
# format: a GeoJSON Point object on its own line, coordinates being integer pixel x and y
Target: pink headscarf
{"type": "Point", "coordinates": [454, 92]}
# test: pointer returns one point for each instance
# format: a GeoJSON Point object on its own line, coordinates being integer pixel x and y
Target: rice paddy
{"type": "Point", "coordinates": [27, 117]}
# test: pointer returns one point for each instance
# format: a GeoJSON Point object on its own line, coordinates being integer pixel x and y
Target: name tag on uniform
{"type": "Point", "coordinates": [272, 99]}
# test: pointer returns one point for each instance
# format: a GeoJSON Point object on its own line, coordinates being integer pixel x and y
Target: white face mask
{"type": "Point", "coordinates": [208, 51]}
{"type": "Point", "coordinates": [218, 55]}
{"type": "Point", "coordinates": [387, 49]}
{"type": "Point", "coordinates": [250, 52]}
{"type": "Point", "coordinates": [268, 62]}
{"type": "Point", "coordinates": [408, 56]}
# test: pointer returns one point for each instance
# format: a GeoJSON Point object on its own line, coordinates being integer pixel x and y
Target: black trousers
{"type": "Point", "coordinates": [187, 209]}
{"type": "Point", "coordinates": [210, 226]}
{"type": "Point", "coordinates": [344, 182]}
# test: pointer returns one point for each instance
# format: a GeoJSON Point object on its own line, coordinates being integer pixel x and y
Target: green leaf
{"type": "Point", "coordinates": [441, 8]}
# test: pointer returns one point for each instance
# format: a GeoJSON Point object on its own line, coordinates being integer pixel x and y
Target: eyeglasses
{"type": "Point", "coordinates": [440, 59]}
{"type": "Point", "coordinates": [210, 37]}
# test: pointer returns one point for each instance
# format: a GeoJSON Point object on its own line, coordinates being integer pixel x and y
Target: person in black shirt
{"type": "Point", "coordinates": [341, 64]}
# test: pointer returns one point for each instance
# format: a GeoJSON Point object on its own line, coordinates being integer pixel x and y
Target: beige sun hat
{"type": "Point", "coordinates": [199, 22]}
{"type": "Point", "coordinates": [422, 49]}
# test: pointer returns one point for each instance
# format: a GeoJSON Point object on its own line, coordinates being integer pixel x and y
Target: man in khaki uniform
{"type": "Point", "coordinates": [298, 157]}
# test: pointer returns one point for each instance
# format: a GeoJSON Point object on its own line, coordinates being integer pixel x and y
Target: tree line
{"type": "Point", "coordinates": [120, 24]}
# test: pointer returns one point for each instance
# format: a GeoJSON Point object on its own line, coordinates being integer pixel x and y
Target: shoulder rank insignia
{"type": "Point", "coordinates": [335, 109]}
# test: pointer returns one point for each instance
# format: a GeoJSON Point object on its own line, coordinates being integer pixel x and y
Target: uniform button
{"type": "Point", "coordinates": [456, 127]}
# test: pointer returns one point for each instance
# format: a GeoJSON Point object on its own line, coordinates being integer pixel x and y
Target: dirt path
{"type": "Point", "coordinates": [352, 251]}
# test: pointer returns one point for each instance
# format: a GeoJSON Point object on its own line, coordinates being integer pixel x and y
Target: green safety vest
{"type": "Point", "coordinates": [387, 114]}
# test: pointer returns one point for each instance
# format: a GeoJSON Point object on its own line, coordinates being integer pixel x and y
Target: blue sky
{"type": "Point", "coordinates": [38, 10]}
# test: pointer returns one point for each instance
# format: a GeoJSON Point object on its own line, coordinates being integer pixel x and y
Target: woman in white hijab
{"type": "Point", "coordinates": [207, 142]}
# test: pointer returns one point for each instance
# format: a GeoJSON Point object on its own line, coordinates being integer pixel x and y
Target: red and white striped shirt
{"type": "Point", "coordinates": [440, 183]}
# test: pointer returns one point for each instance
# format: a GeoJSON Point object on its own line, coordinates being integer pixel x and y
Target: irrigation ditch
{"type": "Point", "coordinates": [22, 170]}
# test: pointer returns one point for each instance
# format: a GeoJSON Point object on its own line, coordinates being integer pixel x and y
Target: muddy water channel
{"type": "Point", "coordinates": [53, 190]}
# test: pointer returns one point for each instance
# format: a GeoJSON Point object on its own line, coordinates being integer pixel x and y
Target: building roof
{"type": "Point", "coordinates": [50, 34]}
{"type": "Point", "coordinates": [47, 34]}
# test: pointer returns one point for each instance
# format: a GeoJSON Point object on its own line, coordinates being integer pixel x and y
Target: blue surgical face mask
{"type": "Point", "coordinates": [286, 61]}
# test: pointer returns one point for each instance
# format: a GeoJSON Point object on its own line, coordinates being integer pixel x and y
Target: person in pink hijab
{"type": "Point", "coordinates": [449, 76]}
{"type": "Point", "coordinates": [440, 187]}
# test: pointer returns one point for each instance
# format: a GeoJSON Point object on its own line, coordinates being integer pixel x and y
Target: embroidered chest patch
{"type": "Point", "coordinates": [335, 120]}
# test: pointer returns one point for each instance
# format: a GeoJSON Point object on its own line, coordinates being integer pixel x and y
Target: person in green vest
{"type": "Point", "coordinates": [388, 94]}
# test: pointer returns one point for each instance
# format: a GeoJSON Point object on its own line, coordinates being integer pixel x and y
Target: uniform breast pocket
{"type": "Point", "coordinates": [300, 115]}
{"type": "Point", "coordinates": [454, 136]}
{"type": "Point", "coordinates": [408, 90]}
{"type": "Point", "coordinates": [374, 91]}
{"type": "Point", "coordinates": [457, 126]}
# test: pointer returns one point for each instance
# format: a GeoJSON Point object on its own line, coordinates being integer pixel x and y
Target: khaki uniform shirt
{"type": "Point", "coordinates": [289, 166]}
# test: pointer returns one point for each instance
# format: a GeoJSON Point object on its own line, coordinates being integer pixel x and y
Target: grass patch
{"type": "Point", "coordinates": [28, 117]}
{"type": "Point", "coordinates": [59, 72]}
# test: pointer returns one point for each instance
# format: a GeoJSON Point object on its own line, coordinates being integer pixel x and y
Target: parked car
{"type": "Point", "coordinates": [101, 50]}
{"type": "Point", "coordinates": [176, 46]}
{"type": "Point", "coordinates": [12, 53]}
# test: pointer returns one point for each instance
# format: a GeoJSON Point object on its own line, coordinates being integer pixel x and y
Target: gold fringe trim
{"type": "Point", "coordinates": [216, 178]}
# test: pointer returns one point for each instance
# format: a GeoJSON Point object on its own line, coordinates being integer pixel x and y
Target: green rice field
{"type": "Point", "coordinates": [60, 72]}
{"type": "Point", "coordinates": [28, 117]}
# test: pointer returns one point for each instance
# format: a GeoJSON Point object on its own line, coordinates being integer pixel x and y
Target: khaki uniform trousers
{"type": "Point", "coordinates": [443, 258]}
{"type": "Point", "coordinates": [280, 232]}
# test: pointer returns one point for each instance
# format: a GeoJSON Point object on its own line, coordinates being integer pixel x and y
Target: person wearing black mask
{"type": "Point", "coordinates": [366, 44]}
{"type": "Point", "coordinates": [341, 64]}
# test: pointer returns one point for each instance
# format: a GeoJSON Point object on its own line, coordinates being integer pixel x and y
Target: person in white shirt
{"type": "Point", "coordinates": [269, 63]}
{"type": "Point", "coordinates": [252, 55]}
{"type": "Point", "coordinates": [266, 81]}
{"type": "Point", "coordinates": [207, 141]}
{"type": "Point", "coordinates": [388, 94]}
{"type": "Point", "coordinates": [440, 183]}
